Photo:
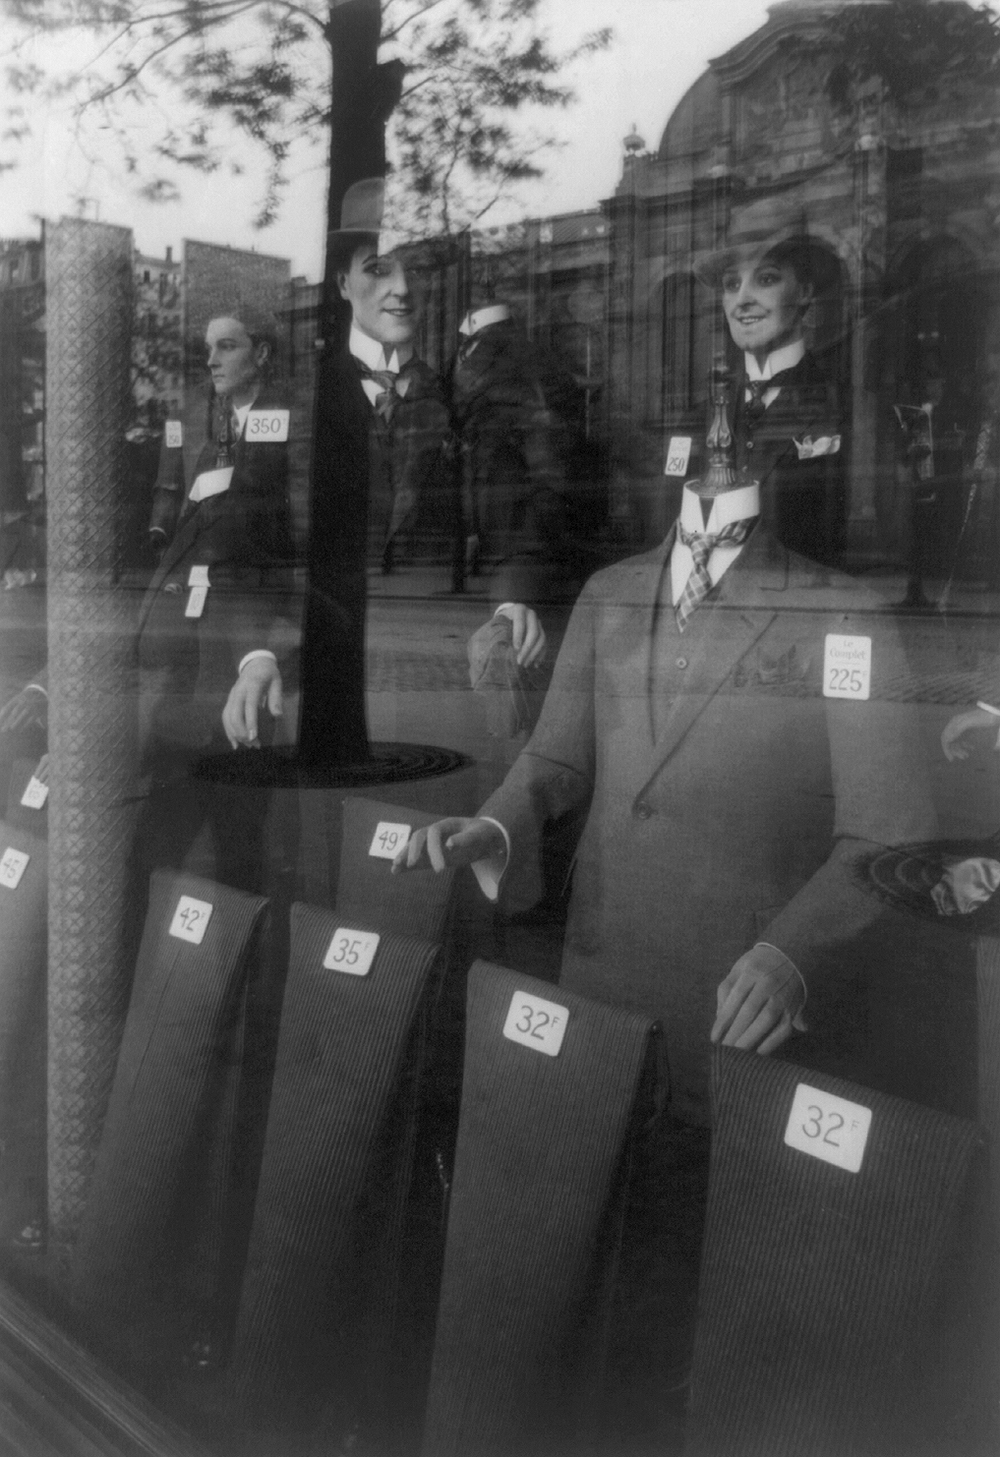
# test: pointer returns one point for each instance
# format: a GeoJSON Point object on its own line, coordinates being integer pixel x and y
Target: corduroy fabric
{"type": "Point", "coordinates": [368, 894]}
{"type": "Point", "coordinates": [538, 1144]}
{"type": "Point", "coordinates": [341, 1052]}
{"type": "Point", "coordinates": [23, 948]}
{"type": "Point", "coordinates": [819, 1286]}
{"type": "Point", "coordinates": [178, 1041]}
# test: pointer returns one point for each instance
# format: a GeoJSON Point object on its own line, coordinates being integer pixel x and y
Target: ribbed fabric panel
{"type": "Point", "coordinates": [182, 1017]}
{"type": "Point", "coordinates": [368, 894]}
{"type": "Point", "coordinates": [23, 951]}
{"type": "Point", "coordinates": [538, 1143]}
{"type": "Point", "coordinates": [818, 1285]}
{"type": "Point", "coordinates": [341, 1051]}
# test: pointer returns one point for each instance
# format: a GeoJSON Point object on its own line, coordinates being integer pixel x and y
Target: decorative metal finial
{"type": "Point", "coordinates": [634, 143]}
{"type": "Point", "coordinates": [720, 473]}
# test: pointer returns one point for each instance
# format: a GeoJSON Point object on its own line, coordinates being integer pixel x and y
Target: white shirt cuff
{"type": "Point", "coordinates": [805, 990]}
{"type": "Point", "coordinates": [39, 688]}
{"type": "Point", "coordinates": [989, 708]}
{"type": "Point", "coordinates": [489, 871]}
{"type": "Point", "coordinates": [257, 653]}
{"type": "Point", "coordinates": [497, 611]}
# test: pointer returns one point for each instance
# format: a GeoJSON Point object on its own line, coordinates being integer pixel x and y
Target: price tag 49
{"type": "Point", "coordinates": [35, 794]}
{"type": "Point", "coordinates": [270, 426]}
{"type": "Point", "coordinates": [13, 864]}
{"type": "Point", "coordinates": [828, 1127]}
{"type": "Point", "coordinates": [847, 666]}
{"type": "Point", "coordinates": [388, 840]}
{"type": "Point", "coordinates": [536, 1023]}
{"type": "Point", "coordinates": [351, 951]}
{"type": "Point", "coordinates": [191, 919]}
{"type": "Point", "coordinates": [678, 455]}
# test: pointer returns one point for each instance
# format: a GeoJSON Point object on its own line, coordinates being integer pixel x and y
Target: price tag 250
{"type": "Point", "coordinates": [536, 1023]}
{"type": "Point", "coordinates": [13, 864]}
{"type": "Point", "coordinates": [828, 1127]}
{"type": "Point", "coordinates": [847, 666]}
{"type": "Point", "coordinates": [351, 951]}
{"type": "Point", "coordinates": [678, 455]}
{"type": "Point", "coordinates": [191, 919]}
{"type": "Point", "coordinates": [388, 840]}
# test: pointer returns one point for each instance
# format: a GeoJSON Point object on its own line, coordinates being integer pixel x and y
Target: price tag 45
{"type": "Point", "coordinates": [191, 920]}
{"type": "Point", "coordinates": [13, 864]}
{"type": "Point", "coordinates": [351, 951]}
{"type": "Point", "coordinates": [536, 1023]}
{"type": "Point", "coordinates": [828, 1127]}
{"type": "Point", "coordinates": [388, 840]}
{"type": "Point", "coordinates": [847, 666]}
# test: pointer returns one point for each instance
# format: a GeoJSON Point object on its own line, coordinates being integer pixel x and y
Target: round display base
{"type": "Point", "coordinates": [389, 763]}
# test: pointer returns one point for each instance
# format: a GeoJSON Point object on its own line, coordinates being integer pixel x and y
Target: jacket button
{"type": "Point", "coordinates": [643, 810]}
{"type": "Point", "coordinates": [749, 445]}
{"type": "Point", "coordinates": [682, 662]}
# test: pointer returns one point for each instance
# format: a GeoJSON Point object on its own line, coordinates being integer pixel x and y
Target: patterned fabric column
{"type": "Point", "coordinates": [91, 729]}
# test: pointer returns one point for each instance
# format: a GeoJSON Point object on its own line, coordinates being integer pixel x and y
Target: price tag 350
{"type": "Point", "coordinates": [191, 919]}
{"type": "Point", "coordinates": [351, 951]}
{"type": "Point", "coordinates": [536, 1023]}
{"type": "Point", "coordinates": [267, 425]}
{"type": "Point", "coordinates": [828, 1127]}
{"type": "Point", "coordinates": [388, 840]}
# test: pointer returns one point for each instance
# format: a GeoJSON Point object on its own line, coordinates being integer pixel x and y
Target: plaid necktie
{"type": "Point", "coordinates": [385, 400]}
{"type": "Point", "coordinates": [699, 583]}
{"type": "Point", "coordinates": [225, 440]}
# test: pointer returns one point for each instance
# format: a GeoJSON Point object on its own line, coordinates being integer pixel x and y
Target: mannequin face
{"type": "Point", "coordinates": [235, 362]}
{"type": "Point", "coordinates": [379, 293]}
{"type": "Point", "coordinates": [764, 303]}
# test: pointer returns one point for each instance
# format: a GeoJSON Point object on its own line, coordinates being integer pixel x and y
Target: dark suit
{"type": "Point", "coordinates": [405, 453]}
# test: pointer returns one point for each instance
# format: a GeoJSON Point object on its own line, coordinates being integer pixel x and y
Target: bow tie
{"type": "Point", "coordinates": [758, 388]}
{"type": "Point", "coordinates": [387, 397]}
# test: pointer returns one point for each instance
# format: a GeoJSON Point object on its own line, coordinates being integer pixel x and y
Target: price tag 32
{"type": "Point", "coordinates": [270, 426]}
{"type": "Point", "coordinates": [351, 951]}
{"type": "Point", "coordinates": [828, 1127]}
{"type": "Point", "coordinates": [847, 666]}
{"type": "Point", "coordinates": [13, 864]}
{"type": "Point", "coordinates": [678, 455]}
{"type": "Point", "coordinates": [536, 1023]}
{"type": "Point", "coordinates": [35, 794]}
{"type": "Point", "coordinates": [191, 919]}
{"type": "Point", "coordinates": [388, 840]}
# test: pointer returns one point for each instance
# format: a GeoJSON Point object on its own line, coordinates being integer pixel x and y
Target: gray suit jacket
{"type": "Point", "coordinates": [740, 819]}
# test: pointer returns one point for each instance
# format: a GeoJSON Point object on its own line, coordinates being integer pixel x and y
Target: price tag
{"type": "Point", "coordinates": [12, 867]}
{"type": "Point", "coordinates": [267, 425]}
{"type": "Point", "coordinates": [536, 1023]}
{"type": "Point", "coordinates": [847, 666]}
{"type": "Point", "coordinates": [199, 584]}
{"type": "Point", "coordinates": [388, 840]}
{"type": "Point", "coordinates": [351, 951]}
{"type": "Point", "coordinates": [173, 434]}
{"type": "Point", "coordinates": [191, 919]}
{"type": "Point", "coordinates": [828, 1127]}
{"type": "Point", "coordinates": [678, 455]}
{"type": "Point", "coordinates": [35, 794]}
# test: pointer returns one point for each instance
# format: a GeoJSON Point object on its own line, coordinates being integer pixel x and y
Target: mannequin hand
{"type": "Point", "coordinates": [27, 709]}
{"type": "Point", "coordinates": [449, 843]}
{"type": "Point", "coordinates": [759, 1002]}
{"type": "Point", "coordinates": [963, 723]}
{"type": "Point", "coordinates": [528, 636]}
{"type": "Point", "coordinates": [258, 685]}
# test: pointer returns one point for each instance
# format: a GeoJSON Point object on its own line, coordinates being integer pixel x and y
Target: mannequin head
{"type": "Point", "coordinates": [765, 298]}
{"type": "Point", "coordinates": [378, 290]}
{"type": "Point", "coordinates": [240, 347]}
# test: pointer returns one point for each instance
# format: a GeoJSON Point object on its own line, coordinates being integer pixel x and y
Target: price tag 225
{"type": "Point", "coordinates": [847, 666]}
{"type": "Point", "coordinates": [351, 951]}
{"type": "Point", "coordinates": [13, 864]}
{"type": "Point", "coordinates": [830, 1128]}
{"type": "Point", "coordinates": [388, 840]}
{"type": "Point", "coordinates": [191, 919]}
{"type": "Point", "coordinates": [536, 1023]}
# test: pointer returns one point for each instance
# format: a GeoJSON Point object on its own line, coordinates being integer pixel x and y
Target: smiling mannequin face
{"type": "Point", "coordinates": [764, 302]}
{"type": "Point", "coordinates": [379, 293]}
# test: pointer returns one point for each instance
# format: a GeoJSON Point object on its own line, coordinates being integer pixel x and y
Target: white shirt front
{"type": "Point", "coordinates": [729, 507]}
{"type": "Point", "coordinates": [785, 358]}
{"type": "Point", "coordinates": [372, 353]}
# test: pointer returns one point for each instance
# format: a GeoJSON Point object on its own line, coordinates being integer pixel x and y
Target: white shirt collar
{"type": "Point", "coordinates": [731, 506]}
{"type": "Point", "coordinates": [477, 319]}
{"type": "Point", "coordinates": [371, 352]}
{"type": "Point", "coordinates": [784, 358]}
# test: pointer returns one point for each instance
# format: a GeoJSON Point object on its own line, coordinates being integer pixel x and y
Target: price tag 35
{"type": "Point", "coordinates": [678, 455]}
{"type": "Point", "coordinates": [828, 1127]}
{"type": "Point", "coordinates": [267, 425]}
{"type": "Point", "coordinates": [388, 840]}
{"type": "Point", "coordinates": [536, 1023]}
{"type": "Point", "coordinates": [351, 951]}
{"type": "Point", "coordinates": [191, 919]}
{"type": "Point", "coordinates": [35, 794]}
{"type": "Point", "coordinates": [847, 666]}
{"type": "Point", "coordinates": [13, 864]}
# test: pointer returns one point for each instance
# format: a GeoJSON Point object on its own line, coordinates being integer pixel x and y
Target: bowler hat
{"type": "Point", "coordinates": [361, 210]}
{"type": "Point", "coordinates": [768, 225]}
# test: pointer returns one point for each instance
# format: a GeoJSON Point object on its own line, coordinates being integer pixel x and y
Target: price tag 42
{"type": "Point", "coordinates": [35, 794]}
{"type": "Point", "coordinates": [191, 919]}
{"type": "Point", "coordinates": [270, 426]}
{"type": "Point", "coordinates": [13, 864]}
{"type": "Point", "coordinates": [828, 1127]}
{"type": "Point", "coordinates": [351, 951]}
{"type": "Point", "coordinates": [678, 455]}
{"type": "Point", "coordinates": [388, 840]}
{"type": "Point", "coordinates": [536, 1023]}
{"type": "Point", "coordinates": [847, 666]}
